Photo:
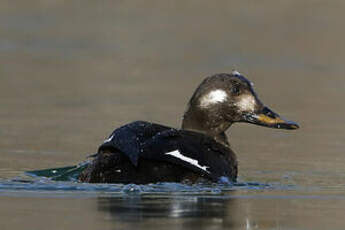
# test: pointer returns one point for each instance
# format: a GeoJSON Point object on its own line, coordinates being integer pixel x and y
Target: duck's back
{"type": "Point", "coordinates": [143, 152]}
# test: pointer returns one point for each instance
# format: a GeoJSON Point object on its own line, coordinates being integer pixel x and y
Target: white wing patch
{"type": "Point", "coordinates": [213, 97]}
{"type": "Point", "coordinates": [109, 139]}
{"type": "Point", "coordinates": [191, 161]}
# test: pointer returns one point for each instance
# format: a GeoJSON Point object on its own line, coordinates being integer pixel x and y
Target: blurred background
{"type": "Point", "coordinates": [72, 71]}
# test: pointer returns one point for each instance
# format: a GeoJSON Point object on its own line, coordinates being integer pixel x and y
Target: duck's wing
{"type": "Point", "coordinates": [194, 151]}
{"type": "Point", "coordinates": [130, 138]}
{"type": "Point", "coordinates": [197, 152]}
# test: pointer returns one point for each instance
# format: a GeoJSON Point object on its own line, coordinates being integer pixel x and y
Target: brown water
{"type": "Point", "coordinates": [70, 72]}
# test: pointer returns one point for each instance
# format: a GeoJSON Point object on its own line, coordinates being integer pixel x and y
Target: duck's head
{"type": "Point", "coordinates": [223, 99]}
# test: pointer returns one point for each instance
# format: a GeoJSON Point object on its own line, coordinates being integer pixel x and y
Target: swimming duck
{"type": "Point", "coordinates": [142, 152]}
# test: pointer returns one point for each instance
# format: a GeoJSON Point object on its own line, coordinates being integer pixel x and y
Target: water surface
{"type": "Point", "coordinates": [72, 72]}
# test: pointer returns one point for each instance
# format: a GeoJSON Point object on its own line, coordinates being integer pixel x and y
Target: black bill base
{"type": "Point", "coordinates": [268, 118]}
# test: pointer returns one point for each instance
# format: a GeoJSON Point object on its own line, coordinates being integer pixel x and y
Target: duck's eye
{"type": "Point", "coordinates": [235, 90]}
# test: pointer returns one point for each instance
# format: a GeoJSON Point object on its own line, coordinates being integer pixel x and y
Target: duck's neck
{"type": "Point", "coordinates": [200, 121]}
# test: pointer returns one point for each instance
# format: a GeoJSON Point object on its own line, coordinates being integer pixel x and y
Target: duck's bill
{"type": "Point", "coordinates": [268, 118]}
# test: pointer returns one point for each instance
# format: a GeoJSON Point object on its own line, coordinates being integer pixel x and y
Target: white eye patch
{"type": "Point", "coordinates": [246, 103]}
{"type": "Point", "coordinates": [213, 97]}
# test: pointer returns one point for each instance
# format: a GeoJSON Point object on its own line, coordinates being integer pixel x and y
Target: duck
{"type": "Point", "coordinates": [143, 152]}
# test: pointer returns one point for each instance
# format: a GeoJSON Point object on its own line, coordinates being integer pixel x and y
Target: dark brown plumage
{"type": "Point", "coordinates": [143, 152]}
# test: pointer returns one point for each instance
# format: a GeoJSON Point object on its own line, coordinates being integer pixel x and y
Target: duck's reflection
{"type": "Point", "coordinates": [132, 209]}
{"type": "Point", "coordinates": [186, 212]}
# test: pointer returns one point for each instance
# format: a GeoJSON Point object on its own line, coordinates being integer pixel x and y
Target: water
{"type": "Point", "coordinates": [72, 72]}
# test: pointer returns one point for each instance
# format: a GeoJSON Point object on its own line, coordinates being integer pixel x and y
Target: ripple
{"type": "Point", "coordinates": [41, 186]}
